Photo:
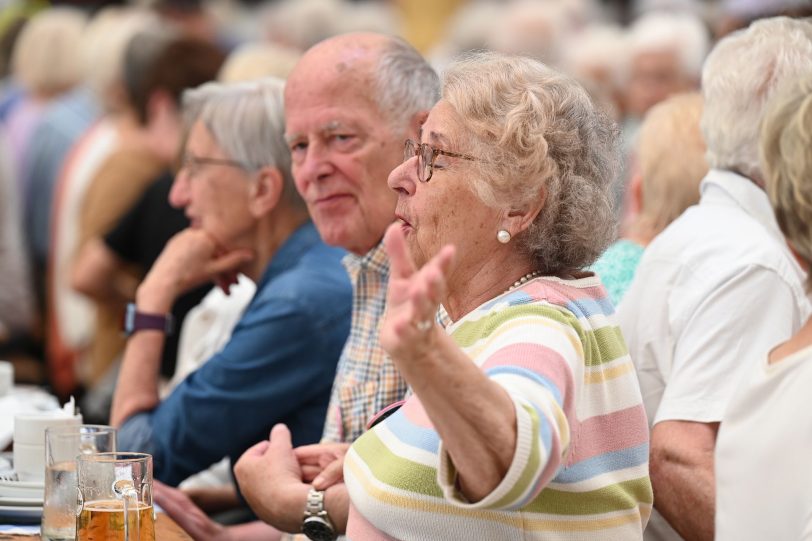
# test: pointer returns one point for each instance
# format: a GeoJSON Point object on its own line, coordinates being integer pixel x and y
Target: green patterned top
{"type": "Point", "coordinates": [616, 267]}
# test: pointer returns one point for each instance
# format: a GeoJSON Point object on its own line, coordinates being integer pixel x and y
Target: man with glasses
{"type": "Point", "coordinates": [245, 217]}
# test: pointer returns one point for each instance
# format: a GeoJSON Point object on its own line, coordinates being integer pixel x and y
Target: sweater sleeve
{"type": "Point", "coordinates": [535, 353]}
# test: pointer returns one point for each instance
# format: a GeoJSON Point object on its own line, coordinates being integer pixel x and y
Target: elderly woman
{"type": "Point", "coordinates": [526, 420]}
{"type": "Point", "coordinates": [275, 362]}
{"type": "Point", "coordinates": [767, 430]}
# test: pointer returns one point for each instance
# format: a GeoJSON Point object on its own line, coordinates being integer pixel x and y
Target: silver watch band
{"type": "Point", "coordinates": [315, 502]}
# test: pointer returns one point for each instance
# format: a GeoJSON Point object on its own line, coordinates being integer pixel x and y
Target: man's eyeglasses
{"type": "Point", "coordinates": [193, 163]}
{"type": "Point", "coordinates": [426, 155]}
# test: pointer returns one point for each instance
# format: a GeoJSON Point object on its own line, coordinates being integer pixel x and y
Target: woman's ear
{"type": "Point", "coordinates": [266, 191]}
{"type": "Point", "coordinates": [518, 219]}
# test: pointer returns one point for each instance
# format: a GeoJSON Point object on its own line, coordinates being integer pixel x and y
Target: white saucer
{"type": "Point", "coordinates": [20, 489]}
{"type": "Point", "coordinates": [20, 515]}
{"type": "Point", "coordinates": [21, 502]}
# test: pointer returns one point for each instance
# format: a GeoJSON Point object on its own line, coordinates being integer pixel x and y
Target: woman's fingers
{"type": "Point", "coordinates": [310, 472]}
{"type": "Point", "coordinates": [332, 474]}
{"type": "Point", "coordinates": [400, 261]}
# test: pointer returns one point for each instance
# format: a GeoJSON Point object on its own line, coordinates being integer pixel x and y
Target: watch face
{"type": "Point", "coordinates": [317, 529]}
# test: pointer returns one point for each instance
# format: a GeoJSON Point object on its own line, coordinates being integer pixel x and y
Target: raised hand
{"type": "Point", "coordinates": [412, 298]}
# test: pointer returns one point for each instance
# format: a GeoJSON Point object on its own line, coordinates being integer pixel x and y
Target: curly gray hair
{"type": "Point", "coordinates": [539, 135]}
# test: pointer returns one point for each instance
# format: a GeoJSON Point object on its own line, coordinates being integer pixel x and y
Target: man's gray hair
{"type": "Point", "coordinates": [740, 75]}
{"type": "Point", "coordinates": [247, 122]}
{"type": "Point", "coordinates": [405, 83]}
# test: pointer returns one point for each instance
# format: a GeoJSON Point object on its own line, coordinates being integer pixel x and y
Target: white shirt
{"type": "Point", "coordinates": [206, 330]}
{"type": "Point", "coordinates": [75, 314]}
{"type": "Point", "coordinates": [208, 326]}
{"type": "Point", "coordinates": [763, 481]}
{"type": "Point", "coordinates": [713, 294]}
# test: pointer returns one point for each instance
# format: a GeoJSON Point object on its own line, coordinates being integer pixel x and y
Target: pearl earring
{"type": "Point", "coordinates": [503, 236]}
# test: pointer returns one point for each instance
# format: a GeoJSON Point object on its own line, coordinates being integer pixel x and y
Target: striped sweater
{"type": "Point", "coordinates": [580, 468]}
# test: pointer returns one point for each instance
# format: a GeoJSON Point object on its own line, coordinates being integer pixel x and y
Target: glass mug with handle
{"type": "Point", "coordinates": [62, 445]}
{"type": "Point", "coordinates": [115, 497]}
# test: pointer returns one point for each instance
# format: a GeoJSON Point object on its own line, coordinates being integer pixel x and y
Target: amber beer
{"type": "Point", "coordinates": [104, 521]}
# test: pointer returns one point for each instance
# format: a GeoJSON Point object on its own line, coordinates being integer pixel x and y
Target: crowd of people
{"type": "Point", "coordinates": [545, 279]}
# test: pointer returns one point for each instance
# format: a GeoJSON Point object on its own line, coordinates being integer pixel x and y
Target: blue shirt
{"type": "Point", "coordinates": [60, 127]}
{"type": "Point", "coordinates": [278, 367]}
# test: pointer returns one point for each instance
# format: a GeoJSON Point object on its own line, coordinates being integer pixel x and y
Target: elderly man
{"type": "Point", "coordinates": [666, 51]}
{"type": "Point", "coordinates": [718, 288]}
{"type": "Point", "coordinates": [245, 216]}
{"type": "Point", "coordinates": [350, 103]}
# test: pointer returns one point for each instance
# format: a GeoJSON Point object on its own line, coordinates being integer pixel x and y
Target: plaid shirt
{"type": "Point", "coordinates": [366, 378]}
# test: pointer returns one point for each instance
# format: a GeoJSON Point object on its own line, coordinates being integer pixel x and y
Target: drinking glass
{"type": "Point", "coordinates": [62, 445]}
{"type": "Point", "coordinates": [115, 498]}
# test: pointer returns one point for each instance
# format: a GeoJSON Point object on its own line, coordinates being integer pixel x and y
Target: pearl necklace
{"type": "Point", "coordinates": [523, 280]}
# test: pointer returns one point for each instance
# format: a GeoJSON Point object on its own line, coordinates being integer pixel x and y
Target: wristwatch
{"type": "Point", "coordinates": [317, 525]}
{"type": "Point", "coordinates": [135, 321]}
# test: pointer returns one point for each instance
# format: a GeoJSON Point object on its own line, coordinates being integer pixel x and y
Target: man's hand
{"type": "Point", "coordinates": [271, 481]}
{"type": "Point", "coordinates": [194, 521]}
{"type": "Point", "coordinates": [322, 463]}
{"type": "Point", "coordinates": [190, 517]}
{"type": "Point", "coordinates": [191, 258]}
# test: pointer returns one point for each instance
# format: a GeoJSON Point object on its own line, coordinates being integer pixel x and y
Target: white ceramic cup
{"type": "Point", "coordinates": [29, 441]}
{"type": "Point", "coordinates": [6, 378]}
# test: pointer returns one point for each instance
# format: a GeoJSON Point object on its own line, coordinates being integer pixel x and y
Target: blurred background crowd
{"type": "Point", "coordinates": [90, 131]}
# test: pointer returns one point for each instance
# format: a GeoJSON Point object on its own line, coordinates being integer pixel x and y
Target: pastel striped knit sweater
{"type": "Point", "coordinates": [580, 470]}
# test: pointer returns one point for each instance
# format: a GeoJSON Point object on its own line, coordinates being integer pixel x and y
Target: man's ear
{"type": "Point", "coordinates": [635, 192]}
{"type": "Point", "coordinates": [801, 261]}
{"type": "Point", "coordinates": [518, 219]}
{"type": "Point", "coordinates": [159, 105]}
{"type": "Point", "coordinates": [266, 191]}
{"type": "Point", "coordinates": [415, 122]}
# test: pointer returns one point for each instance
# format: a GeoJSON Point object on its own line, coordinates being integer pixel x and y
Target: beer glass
{"type": "Point", "coordinates": [62, 445]}
{"type": "Point", "coordinates": [115, 498]}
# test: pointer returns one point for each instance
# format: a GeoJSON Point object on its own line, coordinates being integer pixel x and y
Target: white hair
{"type": "Point", "coordinates": [368, 16]}
{"type": "Point", "coordinates": [531, 28]}
{"type": "Point", "coordinates": [597, 47]}
{"type": "Point", "coordinates": [468, 30]}
{"type": "Point", "coordinates": [537, 131]}
{"type": "Point", "coordinates": [405, 83]}
{"type": "Point", "coordinates": [741, 74]}
{"type": "Point", "coordinates": [44, 60]}
{"type": "Point", "coordinates": [682, 33]}
{"type": "Point", "coordinates": [104, 45]}
{"type": "Point", "coordinates": [303, 23]}
{"type": "Point", "coordinates": [247, 122]}
{"type": "Point", "coordinates": [256, 60]}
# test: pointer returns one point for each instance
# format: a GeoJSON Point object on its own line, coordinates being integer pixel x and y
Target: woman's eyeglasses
{"type": "Point", "coordinates": [426, 154]}
{"type": "Point", "coordinates": [193, 163]}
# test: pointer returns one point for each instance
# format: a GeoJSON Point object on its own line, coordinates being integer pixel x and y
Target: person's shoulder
{"type": "Point", "coordinates": [564, 302]}
{"type": "Point", "coordinates": [713, 243]}
{"type": "Point", "coordinates": [316, 282]}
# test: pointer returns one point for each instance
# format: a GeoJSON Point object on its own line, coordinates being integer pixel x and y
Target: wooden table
{"type": "Point", "coordinates": [166, 529]}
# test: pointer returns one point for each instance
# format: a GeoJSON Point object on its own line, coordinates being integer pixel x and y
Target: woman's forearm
{"type": "Point", "coordinates": [474, 416]}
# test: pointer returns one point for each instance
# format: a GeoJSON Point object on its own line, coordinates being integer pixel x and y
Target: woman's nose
{"type": "Point", "coordinates": [179, 193]}
{"type": "Point", "coordinates": [404, 177]}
